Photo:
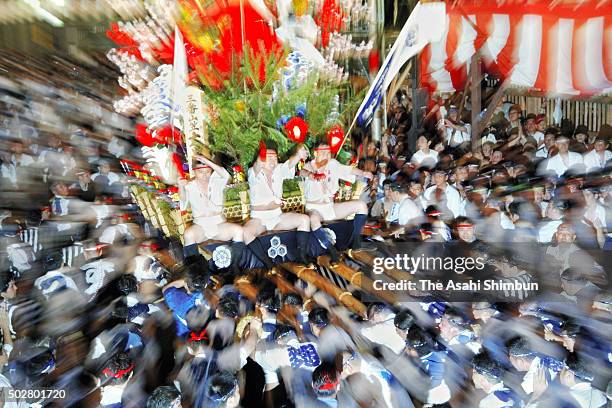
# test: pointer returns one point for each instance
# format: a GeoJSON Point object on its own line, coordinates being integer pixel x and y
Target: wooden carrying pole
{"type": "Point", "coordinates": [368, 259]}
{"type": "Point", "coordinates": [281, 283]}
{"type": "Point", "coordinates": [311, 276]}
{"type": "Point", "coordinates": [246, 288]}
{"type": "Point", "coordinates": [358, 279]}
{"type": "Point", "coordinates": [493, 102]}
{"type": "Point", "coordinates": [286, 287]}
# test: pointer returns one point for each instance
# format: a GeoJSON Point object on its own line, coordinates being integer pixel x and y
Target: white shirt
{"type": "Point", "coordinates": [372, 370]}
{"type": "Point", "coordinates": [527, 383]}
{"type": "Point", "coordinates": [111, 394]}
{"type": "Point", "coordinates": [488, 138]}
{"type": "Point", "coordinates": [117, 147]}
{"type": "Point", "coordinates": [209, 202]}
{"type": "Point", "coordinates": [559, 166]}
{"type": "Point", "coordinates": [384, 333]}
{"type": "Point", "coordinates": [547, 230]}
{"type": "Point", "coordinates": [593, 161]}
{"type": "Point", "coordinates": [95, 273]}
{"type": "Point", "coordinates": [322, 191]}
{"type": "Point", "coordinates": [600, 214]}
{"type": "Point", "coordinates": [542, 152]}
{"type": "Point", "coordinates": [53, 281]}
{"type": "Point", "coordinates": [69, 163]}
{"type": "Point", "coordinates": [21, 256]}
{"type": "Point", "coordinates": [24, 160]}
{"type": "Point", "coordinates": [420, 158]}
{"type": "Point", "coordinates": [113, 232]}
{"type": "Point", "coordinates": [63, 203]}
{"type": "Point", "coordinates": [491, 400]}
{"type": "Point", "coordinates": [587, 396]}
{"type": "Point", "coordinates": [9, 170]}
{"type": "Point", "coordinates": [408, 212]}
{"type": "Point", "coordinates": [454, 202]}
{"type": "Point", "coordinates": [505, 222]}
{"type": "Point", "coordinates": [538, 136]}
{"type": "Point", "coordinates": [261, 192]}
{"type": "Point", "coordinates": [112, 177]}
{"type": "Point", "coordinates": [456, 137]}
{"type": "Point", "coordinates": [295, 354]}
{"type": "Point", "coordinates": [102, 212]}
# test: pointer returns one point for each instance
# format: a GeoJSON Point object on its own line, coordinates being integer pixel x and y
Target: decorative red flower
{"type": "Point", "coordinates": [335, 137]}
{"type": "Point", "coordinates": [143, 136]}
{"type": "Point", "coordinates": [297, 129]}
{"type": "Point", "coordinates": [167, 135]}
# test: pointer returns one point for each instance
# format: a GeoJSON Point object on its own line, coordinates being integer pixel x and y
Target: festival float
{"type": "Point", "coordinates": [216, 80]}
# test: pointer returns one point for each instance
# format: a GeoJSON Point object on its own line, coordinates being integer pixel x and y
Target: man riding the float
{"type": "Point", "coordinates": [266, 178]}
{"type": "Point", "coordinates": [204, 194]}
{"type": "Point", "coordinates": [321, 185]}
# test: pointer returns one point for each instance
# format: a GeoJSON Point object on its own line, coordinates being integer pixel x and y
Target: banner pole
{"type": "Point", "coordinates": [346, 135]}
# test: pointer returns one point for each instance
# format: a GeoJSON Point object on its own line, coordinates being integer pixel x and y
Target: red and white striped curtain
{"type": "Point", "coordinates": [563, 49]}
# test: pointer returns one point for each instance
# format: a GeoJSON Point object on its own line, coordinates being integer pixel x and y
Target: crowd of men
{"type": "Point", "coordinates": [100, 305]}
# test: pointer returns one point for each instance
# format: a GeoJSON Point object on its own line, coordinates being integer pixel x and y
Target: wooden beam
{"type": "Point", "coordinates": [495, 99]}
{"type": "Point", "coordinates": [246, 288]}
{"type": "Point", "coordinates": [476, 78]}
{"type": "Point", "coordinates": [415, 67]}
{"type": "Point", "coordinates": [461, 107]}
{"type": "Point", "coordinates": [311, 276]}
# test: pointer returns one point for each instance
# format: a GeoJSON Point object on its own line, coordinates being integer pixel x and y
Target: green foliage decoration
{"type": "Point", "coordinates": [246, 111]}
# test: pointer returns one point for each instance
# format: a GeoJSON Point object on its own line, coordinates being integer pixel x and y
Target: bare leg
{"type": "Point", "coordinates": [194, 235]}
{"type": "Point", "coordinates": [315, 220]}
{"type": "Point", "coordinates": [227, 231]}
{"type": "Point", "coordinates": [230, 232]}
{"type": "Point", "coordinates": [345, 209]}
{"type": "Point", "coordinates": [252, 229]}
{"type": "Point", "coordinates": [360, 209]}
{"type": "Point", "coordinates": [322, 237]}
{"type": "Point", "coordinates": [291, 221]}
